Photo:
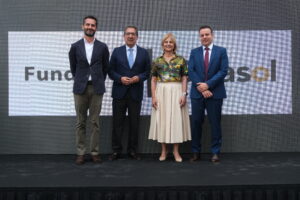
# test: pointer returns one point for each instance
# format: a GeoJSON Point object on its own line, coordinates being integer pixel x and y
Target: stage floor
{"type": "Point", "coordinates": [238, 169]}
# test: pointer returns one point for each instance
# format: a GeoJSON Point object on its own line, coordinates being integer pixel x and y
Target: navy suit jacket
{"type": "Point", "coordinates": [119, 67]}
{"type": "Point", "coordinates": [81, 69]}
{"type": "Point", "coordinates": [217, 71]}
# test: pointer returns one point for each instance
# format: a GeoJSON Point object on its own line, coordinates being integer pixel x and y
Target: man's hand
{"type": "Point", "coordinates": [201, 87]}
{"type": "Point", "coordinates": [207, 94]}
{"type": "Point", "coordinates": [134, 79]}
{"type": "Point", "coordinates": [125, 80]}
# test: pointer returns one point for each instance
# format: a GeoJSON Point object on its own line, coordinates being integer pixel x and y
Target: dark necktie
{"type": "Point", "coordinates": [206, 62]}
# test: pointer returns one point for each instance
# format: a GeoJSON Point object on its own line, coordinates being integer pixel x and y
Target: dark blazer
{"type": "Point", "coordinates": [81, 69]}
{"type": "Point", "coordinates": [217, 71]}
{"type": "Point", "coordinates": [119, 67]}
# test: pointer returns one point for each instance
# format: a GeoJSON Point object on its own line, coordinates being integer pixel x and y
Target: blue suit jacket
{"type": "Point", "coordinates": [119, 67]}
{"type": "Point", "coordinates": [217, 71]}
{"type": "Point", "coordinates": [81, 69]}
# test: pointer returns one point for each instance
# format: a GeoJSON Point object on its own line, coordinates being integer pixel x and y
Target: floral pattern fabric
{"type": "Point", "coordinates": [169, 72]}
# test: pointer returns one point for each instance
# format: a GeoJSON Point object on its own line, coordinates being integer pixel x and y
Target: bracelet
{"type": "Point", "coordinates": [184, 94]}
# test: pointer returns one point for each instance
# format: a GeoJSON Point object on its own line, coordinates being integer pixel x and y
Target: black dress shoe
{"type": "Point", "coordinates": [195, 157]}
{"type": "Point", "coordinates": [134, 156]}
{"type": "Point", "coordinates": [215, 158]}
{"type": "Point", "coordinates": [114, 156]}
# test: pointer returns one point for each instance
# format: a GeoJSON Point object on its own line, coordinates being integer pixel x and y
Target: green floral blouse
{"type": "Point", "coordinates": [169, 72]}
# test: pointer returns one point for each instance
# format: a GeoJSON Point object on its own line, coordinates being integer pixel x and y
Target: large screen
{"type": "Point", "coordinates": [40, 80]}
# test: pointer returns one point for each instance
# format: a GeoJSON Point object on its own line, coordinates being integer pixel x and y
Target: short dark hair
{"type": "Point", "coordinates": [134, 27]}
{"type": "Point", "coordinates": [90, 17]}
{"type": "Point", "coordinates": [206, 26]}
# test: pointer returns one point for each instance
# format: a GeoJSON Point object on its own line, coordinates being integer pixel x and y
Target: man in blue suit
{"type": "Point", "coordinates": [208, 65]}
{"type": "Point", "coordinates": [89, 62]}
{"type": "Point", "coordinates": [129, 68]}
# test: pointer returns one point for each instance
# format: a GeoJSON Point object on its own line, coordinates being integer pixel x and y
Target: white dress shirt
{"type": "Point", "coordinates": [209, 51]}
{"type": "Point", "coordinates": [89, 46]}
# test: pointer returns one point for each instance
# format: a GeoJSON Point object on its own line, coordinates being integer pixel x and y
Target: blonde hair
{"type": "Point", "coordinates": [173, 39]}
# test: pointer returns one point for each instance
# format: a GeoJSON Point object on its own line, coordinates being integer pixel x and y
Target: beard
{"type": "Point", "coordinates": [89, 32]}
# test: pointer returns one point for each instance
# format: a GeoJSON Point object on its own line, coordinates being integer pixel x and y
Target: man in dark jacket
{"type": "Point", "coordinates": [89, 60]}
{"type": "Point", "coordinates": [129, 68]}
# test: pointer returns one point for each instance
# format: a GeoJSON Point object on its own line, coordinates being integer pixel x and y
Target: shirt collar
{"type": "Point", "coordinates": [163, 56]}
{"type": "Point", "coordinates": [134, 48]}
{"type": "Point", "coordinates": [209, 46]}
{"type": "Point", "coordinates": [86, 42]}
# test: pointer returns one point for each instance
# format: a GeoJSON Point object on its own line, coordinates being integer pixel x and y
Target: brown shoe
{"type": "Point", "coordinates": [79, 160]}
{"type": "Point", "coordinates": [96, 159]}
{"type": "Point", "coordinates": [215, 158]}
{"type": "Point", "coordinates": [195, 157]}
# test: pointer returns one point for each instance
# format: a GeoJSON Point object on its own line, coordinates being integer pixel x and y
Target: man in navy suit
{"type": "Point", "coordinates": [89, 63]}
{"type": "Point", "coordinates": [208, 65]}
{"type": "Point", "coordinates": [129, 68]}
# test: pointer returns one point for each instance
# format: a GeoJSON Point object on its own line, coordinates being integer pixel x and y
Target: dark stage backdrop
{"type": "Point", "coordinates": [262, 37]}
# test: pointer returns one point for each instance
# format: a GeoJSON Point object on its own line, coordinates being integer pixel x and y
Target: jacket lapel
{"type": "Point", "coordinates": [95, 49]}
{"type": "Point", "coordinates": [82, 49]}
{"type": "Point", "coordinates": [138, 52]}
{"type": "Point", "coordinates": [124, 56]}
{"type": "Point", "coordinates": [212, 58]}
{"type": "Point", "coordinates": [201, 61]}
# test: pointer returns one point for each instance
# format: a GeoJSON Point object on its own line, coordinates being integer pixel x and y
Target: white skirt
{"type": "Point", "coordinates": [170, 123]}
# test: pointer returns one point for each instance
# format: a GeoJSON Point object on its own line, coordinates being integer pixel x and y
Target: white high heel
{"type": "Point", "coordinates": [163, 157]}
{"type": "Point", "coordinates": [178, 159]}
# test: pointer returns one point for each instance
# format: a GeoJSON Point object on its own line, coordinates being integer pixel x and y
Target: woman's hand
{"type": "Point", "coordinates": [154, 103]}
{"type": "Point", "coordinates": [182, 100]}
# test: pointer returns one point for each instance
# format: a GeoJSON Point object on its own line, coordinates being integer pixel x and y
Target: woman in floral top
{"type": "Point", "coordinates": [170, 118]}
